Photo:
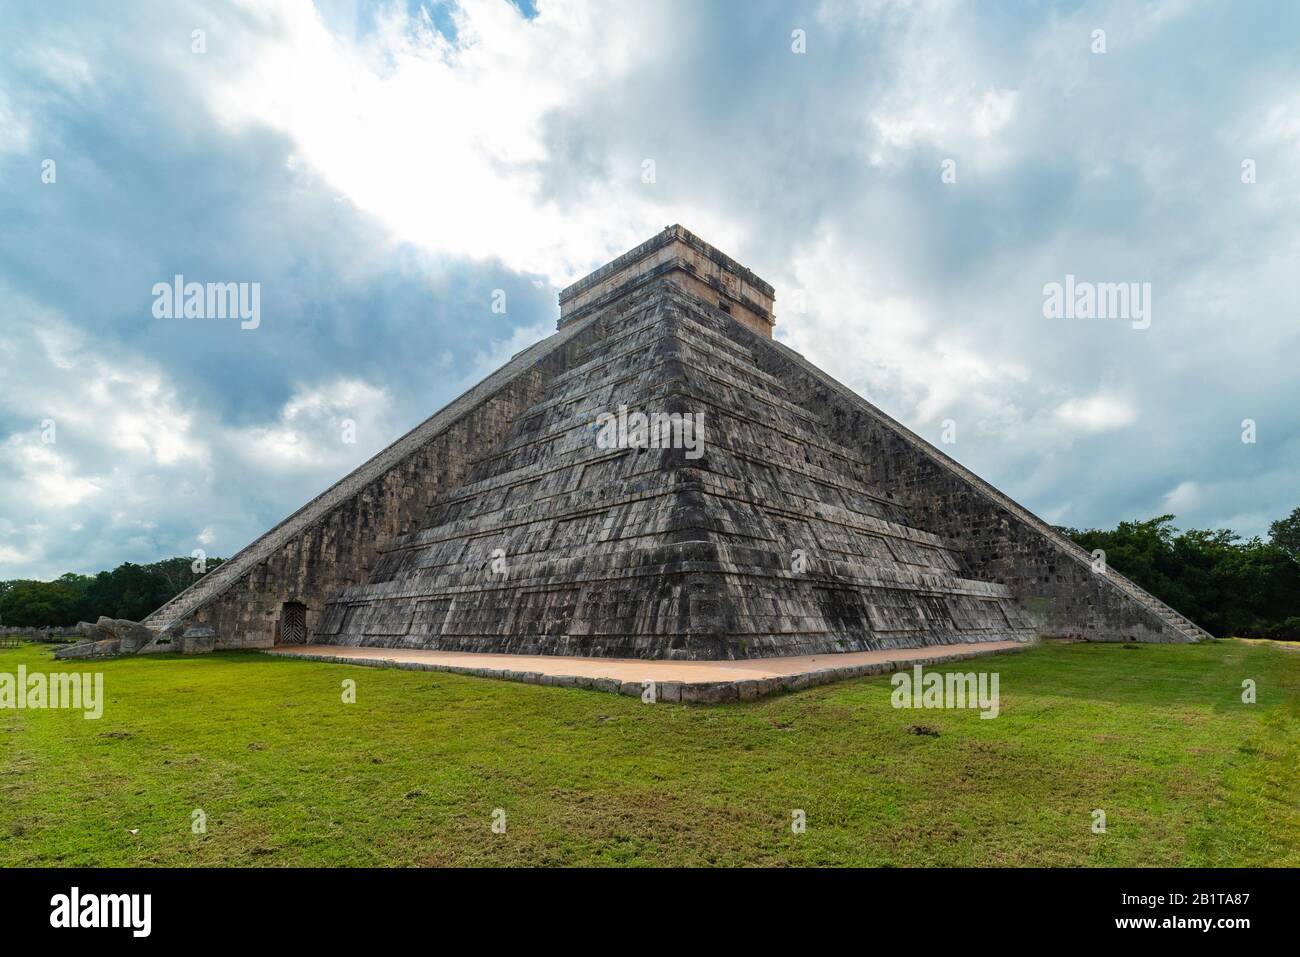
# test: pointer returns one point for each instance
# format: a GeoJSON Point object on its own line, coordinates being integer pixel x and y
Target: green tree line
{"type": "Point", "coordinates": [1226, 584]}
{"type": "Point", "coordinates": [128, 591]}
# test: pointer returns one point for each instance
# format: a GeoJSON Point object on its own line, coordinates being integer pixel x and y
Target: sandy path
{"type": "Point", "coordinates": [630, 669]}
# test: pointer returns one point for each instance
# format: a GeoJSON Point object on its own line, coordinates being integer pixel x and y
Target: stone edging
{"type": "Point", "coordinates": [669, 692]}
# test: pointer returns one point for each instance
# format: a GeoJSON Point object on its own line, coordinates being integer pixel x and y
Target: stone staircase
{"type": "Point", "coordinates": [211, 585]}
{"type": "Point", "coordinates": [1173, 618]}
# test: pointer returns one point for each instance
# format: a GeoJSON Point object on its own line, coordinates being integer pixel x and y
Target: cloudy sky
{"type": "Point", "coordinates": [916, 176]}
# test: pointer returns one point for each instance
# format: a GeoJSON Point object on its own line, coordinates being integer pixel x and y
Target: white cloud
{"type": "Point", "coordinates": [521, 142]}
{"type": "Point", "coordinates": [939, 95]}
{"type": "Point", "coordinates": [441, 141]}
{"type": "Point", "coordinates": [321, 428]}
{"type": "Point", "coordinates": [64, 67]}
{"type": "Point", "coordinates": [892, 342]}
{"type": "Point", "coordinates": [994, 111]}
{"type": "Point", "coordinates": [1100, 412]}
{"type": "Point", "coordinates": [1183, 497]}
{"type": "Point", "coordinates": [14, 134]}
{"type": "Point", "coordinates": [134, 462]}
{"type": "Point", "coordinates": [11, 556]}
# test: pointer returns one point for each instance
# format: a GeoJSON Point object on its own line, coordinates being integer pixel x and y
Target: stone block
{"type": "Point", "coordinates": [197, 640]}
{"type": "Point", "coordinates": [90, 649]}
{"type": "Point", "coordinates": [131, 635]}
{"type": "Point", "coordinates": [709, 693]}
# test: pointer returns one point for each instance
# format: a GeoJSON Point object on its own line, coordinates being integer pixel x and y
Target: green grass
{"type": "Point", "coordinates": [410, 774]}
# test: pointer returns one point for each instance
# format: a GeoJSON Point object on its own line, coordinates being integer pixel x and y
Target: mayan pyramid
{"type": "Point", "coordinates": [662, 479]}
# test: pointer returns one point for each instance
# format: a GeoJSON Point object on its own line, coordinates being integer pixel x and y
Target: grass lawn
{"type": "Point", "coordinates": [410, 774]}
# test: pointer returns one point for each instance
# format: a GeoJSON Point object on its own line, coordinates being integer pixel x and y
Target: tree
{"type": "Point", "coordinates": [33, 603]}
{"type": "Point", "coordinates": [1226, 585]}
{"type": "Point", "coordinates": [1285, 534]}
{"type": "Point", "coordinates": [128, 591]}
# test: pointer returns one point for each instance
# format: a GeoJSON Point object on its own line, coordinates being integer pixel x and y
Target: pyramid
{"type": "Point", "coordinates": [662, 479]}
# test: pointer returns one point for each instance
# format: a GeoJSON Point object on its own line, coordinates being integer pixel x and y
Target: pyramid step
{"type": "Point", "coordinates": [657, 552]}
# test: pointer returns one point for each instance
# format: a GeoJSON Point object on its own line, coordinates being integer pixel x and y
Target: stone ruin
{"type": "Point", "coordinates": [109, 637]}
{"type": "Point", "coordinates": [806, 521]}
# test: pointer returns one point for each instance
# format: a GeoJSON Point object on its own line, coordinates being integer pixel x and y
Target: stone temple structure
{"type": "Point", "coordinates": [767, 511]}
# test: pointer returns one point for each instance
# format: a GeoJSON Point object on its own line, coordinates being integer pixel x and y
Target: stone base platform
{"type": "Point", "coordinates": [692, 682]}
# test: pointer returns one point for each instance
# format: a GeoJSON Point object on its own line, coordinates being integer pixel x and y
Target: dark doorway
{"type": "Point", "coordinates": [293, 623]}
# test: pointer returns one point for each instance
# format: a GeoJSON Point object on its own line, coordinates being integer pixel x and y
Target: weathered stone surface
{"type": "Point", "coordinates": [197, 640]}
{"type": "Point", "coordinates": [713, 693]}
{"type": "Point", "coordinates": [132, 635]}
{"type": "Point", "coordinates": [559, 546]}
{"type": "Point", "coordinates": [1049, 575]}
{"type": "Point", "coordinates": [108, 636]}
{"type": "Point", "coordinates": [334, 540]}
{"type": "Point", "coordinates": [693, 264]}
{"type": "Point", "coordinates": [44, 633]}
{"type": "Point", "coordinates": [810, 523]}
{"type": "Point", "coordinates": [103, 648]}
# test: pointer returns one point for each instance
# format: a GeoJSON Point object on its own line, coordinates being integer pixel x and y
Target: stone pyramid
{"type": "Point", "coordinates": [661, 479]}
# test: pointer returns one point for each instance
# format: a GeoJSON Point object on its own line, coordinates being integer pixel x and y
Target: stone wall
{"type": "Point", "coordinates": [333, 541]}
{"type": "Point", "coordinates": [42, 633]}
{"type": "Point", "coordinates": [337, 540]}
{"type": "Point", "coordinates": [640, 552]}
{"type": "Point", "coordinates": [692, 264]}
{"type": "Point", "coordinates": [1000, 540]}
